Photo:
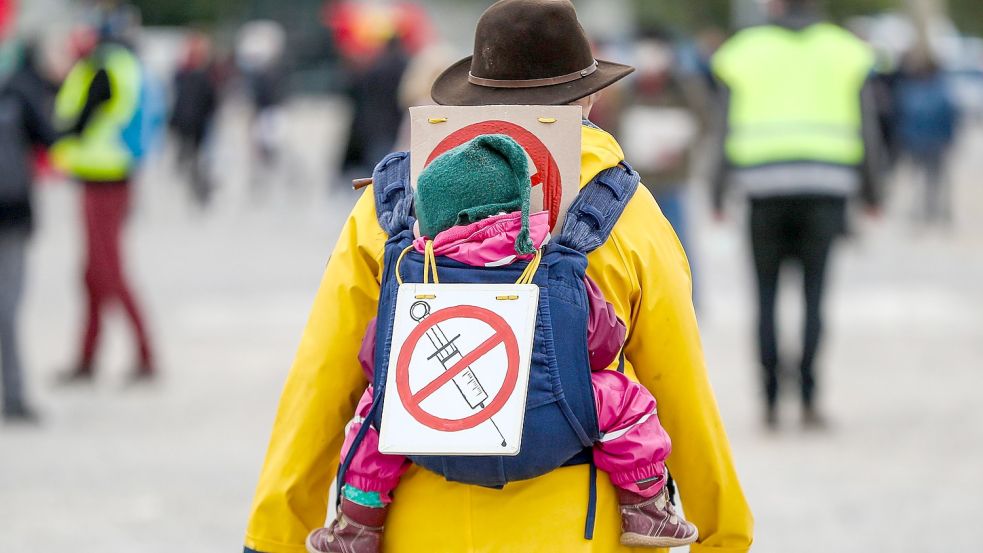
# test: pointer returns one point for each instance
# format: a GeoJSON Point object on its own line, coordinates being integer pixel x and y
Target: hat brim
{"type": "Point", "coordinates": [452, 87]}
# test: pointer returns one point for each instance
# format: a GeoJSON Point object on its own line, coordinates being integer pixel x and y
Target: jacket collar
{"type": "Point", "coordinates": [797, 20]}
{"type": "Point", "coordinates": [598, 151]}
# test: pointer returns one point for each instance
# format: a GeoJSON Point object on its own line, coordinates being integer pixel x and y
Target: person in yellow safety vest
{"type": "Point", "coordinates": [97, 101]}
{"type": "Point", "coordinates": [799, 137]}
{"type": "Point", "coordinates": [641, 269]}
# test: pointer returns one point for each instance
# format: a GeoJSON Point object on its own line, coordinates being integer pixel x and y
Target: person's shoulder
{"type": "Point", "coordinates": [746, 37]}
{"type": "Point", "coordinates": [643, 233]}
{"type": "Point", "coordinates": [362, 231]}
{"type": "Point", "coordinates": [364, 211]}
{"type": "Point", "coordinates": [640, 221]}
{"type": "Point", "coordinates": [642, 247]}
{"type": "Point", "coordinates": [845, 39]}
{"type": "Point", "coordinates": [731, 54]}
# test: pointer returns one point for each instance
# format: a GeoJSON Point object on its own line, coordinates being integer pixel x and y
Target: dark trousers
{"type": "Point", "coordinates": [13, 247]}
{"type": "Point", "coordinates": [189, 160]}
{"type": "Point", "coordinates": [929, 173]}
{"type": "Point", "coordinates": [800, 229]}
{"type": "Point", "coordinates": [104, 208]}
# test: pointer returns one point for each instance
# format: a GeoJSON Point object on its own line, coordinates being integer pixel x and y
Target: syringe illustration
{"type": "Point", "coordinates": [447, 354]}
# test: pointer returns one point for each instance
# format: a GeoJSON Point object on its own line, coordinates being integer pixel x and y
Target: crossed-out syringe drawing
{"type": "Point", "coordinates": [447, 354]}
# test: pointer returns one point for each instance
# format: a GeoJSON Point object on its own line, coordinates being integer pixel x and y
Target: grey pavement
{"type": "Point", "coordinates": [172, 467]}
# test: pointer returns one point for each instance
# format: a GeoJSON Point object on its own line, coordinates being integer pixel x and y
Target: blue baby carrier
{"type": "Point", "coordinates": [560, 419]}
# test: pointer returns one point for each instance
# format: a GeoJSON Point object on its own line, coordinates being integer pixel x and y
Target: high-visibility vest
{"type": "Point", "coordinates": [794, 95]}
{"type": "Point", "coordinates": [99, 153]}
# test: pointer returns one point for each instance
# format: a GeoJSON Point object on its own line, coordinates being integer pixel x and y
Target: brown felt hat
{"type": "Point", "coordinates": [531, 52]}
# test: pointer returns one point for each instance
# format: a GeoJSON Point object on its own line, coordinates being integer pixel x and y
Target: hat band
{"type": "Point", "coordinates": [532, 83]}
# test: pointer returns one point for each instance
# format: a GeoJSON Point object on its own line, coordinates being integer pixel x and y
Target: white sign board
{"type": "Point", "coordinates": [550, 135]}
{"type": "Point", "coordinates": [459, 369]}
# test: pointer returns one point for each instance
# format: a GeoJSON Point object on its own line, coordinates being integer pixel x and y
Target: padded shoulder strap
{"type": "Point", "coordinates": [393, 193]}
{"type": "Point", "coordinates": [598, 207]}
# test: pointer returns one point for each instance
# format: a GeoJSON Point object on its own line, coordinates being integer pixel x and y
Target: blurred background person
{"type": "Point", "coordinates": [926, 121]}
{"type": "Point", "coordinates": [661, 119]}
{"type": "Point", "coordinates": [377, 112]}
{"type": "Point", "coordinates": [259, 56]}
{"type": "Point", "coordinates": [96, 106]}
{"type": "Point", "coordinates": [195, 102]}
{"type": "Point", "coordinates": [24, 125]}
{"type": "Point", "coordinates": [380, 43]}
{"type": "Point", "coordinates": [801, 139]}
{"type": "Point", "coordinates": [414, 89]}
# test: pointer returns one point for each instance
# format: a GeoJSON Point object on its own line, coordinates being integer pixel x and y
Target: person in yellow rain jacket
{"type": "Point", "coordinates": [641, 269]}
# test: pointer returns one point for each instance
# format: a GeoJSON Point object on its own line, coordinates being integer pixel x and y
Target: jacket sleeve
{"type": "Point", "coordinates": [39, 128]}
{"type": "Point", "coordinates": [664, 348]}
{"type": "Point", "coordinates": [872, 169]}
{"type": "Point", "coordinates": [605, 331]}
{"type": "Point", "coordinates": [719, 171]}
{"type": "Point", "coordinates": [321, 392]}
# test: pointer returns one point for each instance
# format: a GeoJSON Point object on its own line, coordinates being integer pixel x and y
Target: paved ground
{"type": "Point", "coordinates": [172, 467]}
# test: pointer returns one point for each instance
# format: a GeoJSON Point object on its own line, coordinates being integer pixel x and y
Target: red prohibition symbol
{"type": "Point", "coordinates": [547, 172]}
{"type": "Point", "coordinates": [502, 335]}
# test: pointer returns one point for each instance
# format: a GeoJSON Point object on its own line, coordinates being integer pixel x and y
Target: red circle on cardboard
{"type": "Point", "coordinates": [547, 171]}
{"type": "Point", "coordinates": [502, 335]}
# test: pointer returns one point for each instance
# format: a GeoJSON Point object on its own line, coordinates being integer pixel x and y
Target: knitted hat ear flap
{"type": "Point", "coordinates": [523, 241]}
{"type": "Point", "coordinates": [516, 156]}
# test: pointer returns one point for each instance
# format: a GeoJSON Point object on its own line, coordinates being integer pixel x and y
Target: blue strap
{"type": "Point", "coordinates": [597, 208]}
{"type": "Point", "coordinates": [393, 193]}
{"type": "Point", "coordinates": [591, 503]}
{"type": "Point", "coordinates": [621, 362]}
{"type": "Point", "coordinates": [359, 437]}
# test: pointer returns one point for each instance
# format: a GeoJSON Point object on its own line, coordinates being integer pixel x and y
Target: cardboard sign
{"type": "Point", "coordinates": [459, 369]}
{"type": "Point", "coordinates": [550, 135]}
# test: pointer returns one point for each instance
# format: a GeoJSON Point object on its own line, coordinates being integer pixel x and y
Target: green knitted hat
{"type": "Point", "coordinates": [483, 177]}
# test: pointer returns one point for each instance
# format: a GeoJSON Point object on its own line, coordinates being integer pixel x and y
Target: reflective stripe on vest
{"type": "Point", "coordinates": [99, 153]}
{"type": "Point", "coordinates": [795, 95]}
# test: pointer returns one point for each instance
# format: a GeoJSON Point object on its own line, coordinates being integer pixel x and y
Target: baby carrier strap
{"type": "Point", "coordinates": [394, 208]}
{"type": "Point", "coordinates": [589, 222]}
{"type": "Point", "coordinates": [597, 208]}
{"type": "Point", "coordinates": [393, 193]}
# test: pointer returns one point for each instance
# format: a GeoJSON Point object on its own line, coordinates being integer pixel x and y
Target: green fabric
{"type": "Point", "coordinates": [363, 498]}
{"type": "Point", "coordinates": [483, 177]}
{"type": "Point", "coordinates": [794, 95]}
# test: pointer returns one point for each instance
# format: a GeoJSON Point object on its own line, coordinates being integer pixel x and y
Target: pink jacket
{"type": "Point", "coordinates": [491, 243]}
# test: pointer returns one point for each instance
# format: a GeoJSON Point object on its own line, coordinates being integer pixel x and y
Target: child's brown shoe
{"type": "Point", "coordinates": [358, 529]}
{"type": "Point", "coordinates": [653, 522]}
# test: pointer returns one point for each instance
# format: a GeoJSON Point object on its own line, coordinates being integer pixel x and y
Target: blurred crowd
{"type": "Point", "coordinates": [65, 95]}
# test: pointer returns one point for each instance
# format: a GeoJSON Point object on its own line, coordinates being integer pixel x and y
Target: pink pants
{"type": "Point", "coordinates": [632, 449]}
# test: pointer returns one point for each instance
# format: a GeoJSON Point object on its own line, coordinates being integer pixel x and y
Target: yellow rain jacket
{"type": "Point", "coordinates": [642, 271]}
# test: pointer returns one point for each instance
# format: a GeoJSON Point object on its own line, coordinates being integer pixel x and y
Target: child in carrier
{"type": "Point", "coordinates": [473, 202]}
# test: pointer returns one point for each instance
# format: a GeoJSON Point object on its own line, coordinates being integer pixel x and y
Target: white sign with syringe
{"type": "Point", "coordinates": [459, 369]}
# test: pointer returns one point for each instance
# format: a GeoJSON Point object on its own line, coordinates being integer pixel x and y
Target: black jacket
{"type": "Point", "coordinates": [25, 126]}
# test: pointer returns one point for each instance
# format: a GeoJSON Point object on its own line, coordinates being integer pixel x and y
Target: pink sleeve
{"type": "Point", "coordinates": [605, 331]}
{"type": "Point", "coordinates": [366, 353]}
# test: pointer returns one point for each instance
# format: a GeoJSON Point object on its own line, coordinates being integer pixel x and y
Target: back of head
{"type": "Point", "coordinates": [801, 5]}
{"type": "Point", "coordinates": [780, 10]}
